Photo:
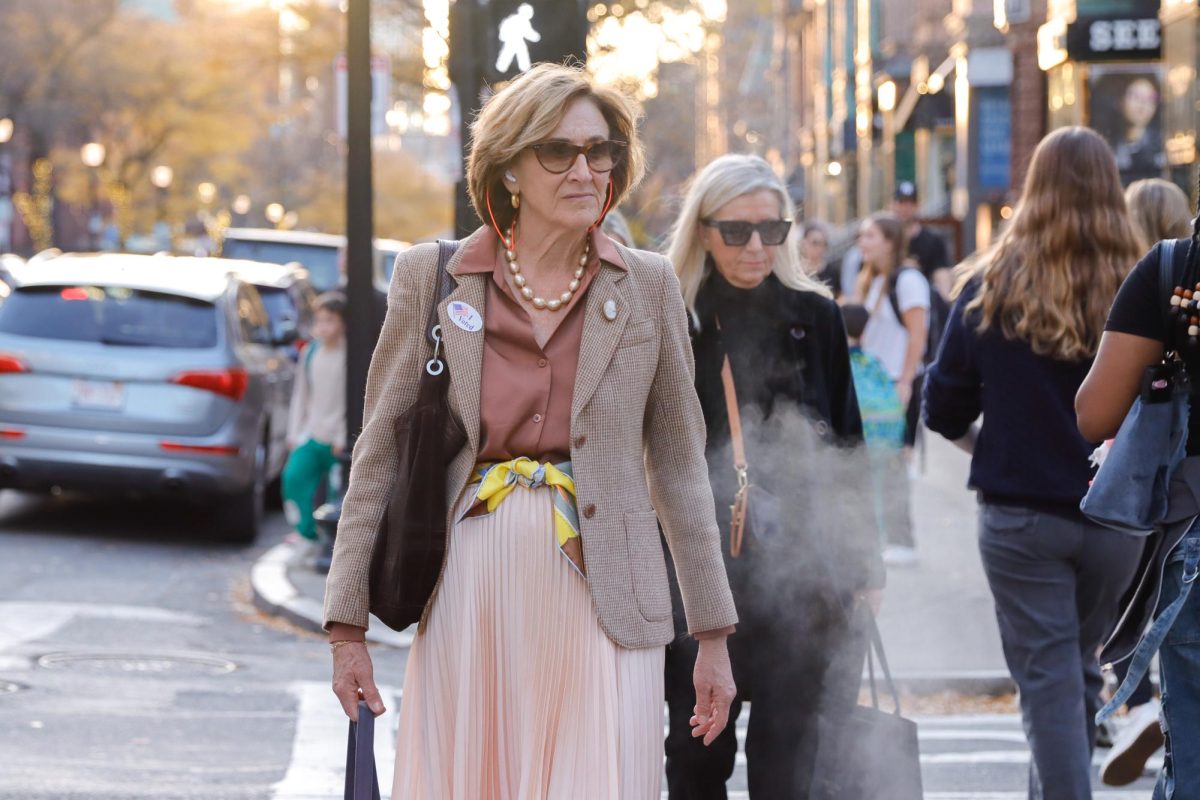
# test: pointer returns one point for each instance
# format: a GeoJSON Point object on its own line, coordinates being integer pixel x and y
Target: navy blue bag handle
{"type": "Point", "coordinates": [361, 780]}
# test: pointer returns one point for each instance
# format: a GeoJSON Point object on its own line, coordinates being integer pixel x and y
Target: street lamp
{"type": "Point", "coordinates": [887, 105]}
{"type": "Point", "coordinates": [207, 192]}
{"type": "Point", "coordinates": [275, 213]}
{"type": "Point", "coordinates": [6, 210]}
{"type": "Point", "coordinates": [161, 176]}
{"type": "Point", "coordinates": [92, 154]}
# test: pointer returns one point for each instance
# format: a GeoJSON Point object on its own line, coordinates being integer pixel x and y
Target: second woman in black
{"type": "Point", "coordinates": [795, 653]}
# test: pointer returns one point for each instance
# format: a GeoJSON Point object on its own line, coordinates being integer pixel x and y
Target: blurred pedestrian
{"type": "Point", "coordinates": [317, 418]}
{"type": "Point", "coordinates": [1022, 333]}
{"type": "Point", "coordinates": [1158, 210]}
{"type": "Point", "coordinates": [814, 253]}
{"type": "Point", "coordinates": [770, 346]}
{"type": "Point", "coordinates": [1163, 614]}
{"type": "Point", "coordinates": [925, 246]}
{"type": "Point", "coordinates": [897, 296]}
{"type": "Point", "coordinates": [884, 423]}
{"type": "Point", "coordinates": [537, 667]}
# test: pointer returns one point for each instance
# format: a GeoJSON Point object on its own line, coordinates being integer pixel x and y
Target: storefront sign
{"type": "Point", "coordinates": [1114, 39]}
{"type": "Point", "coordinates": [995, 139]}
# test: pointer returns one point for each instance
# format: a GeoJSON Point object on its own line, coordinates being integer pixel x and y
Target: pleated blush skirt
{"type": "Point", "coordinates": [513, 691]}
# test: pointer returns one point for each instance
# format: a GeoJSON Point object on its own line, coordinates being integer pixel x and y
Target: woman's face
{"type": "Point", "coordinates": [876, 249]}
{"type": "Point", "coordinates": [748, 265]}
{"type": "Point", "coordinates": [814, 246]}
{"type": "Point", "coordinates": [574, 199]}
{"type": "Point", "coordinates": [1140, 103]}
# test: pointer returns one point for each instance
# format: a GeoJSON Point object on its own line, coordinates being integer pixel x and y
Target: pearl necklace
{"type": "Point", "coordinates": [562, 300]}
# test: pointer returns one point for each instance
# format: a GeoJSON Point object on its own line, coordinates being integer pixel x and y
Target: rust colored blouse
{"type": "Point", "coordinates": [526, 390]}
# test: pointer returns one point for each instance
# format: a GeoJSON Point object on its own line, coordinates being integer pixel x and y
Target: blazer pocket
{"type": "Point", "coordinates": [647, 567]}
{"type": "Point", "coordinates": [637, 333]}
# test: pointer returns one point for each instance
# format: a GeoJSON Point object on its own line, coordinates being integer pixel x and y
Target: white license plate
{"type": "Point", "coordinates": [98, 395]}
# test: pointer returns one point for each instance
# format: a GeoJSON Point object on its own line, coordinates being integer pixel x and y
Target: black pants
{"type": "Point", "coordinates": [790, 676]}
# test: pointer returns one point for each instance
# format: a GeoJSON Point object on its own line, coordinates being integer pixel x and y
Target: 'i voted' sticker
{"type": "Point", "coordinates": [465, 317]}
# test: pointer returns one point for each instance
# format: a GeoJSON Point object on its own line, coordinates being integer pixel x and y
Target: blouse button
{"type": "Point", "coordinates": [542, 362]}
{"type": "Point", "coordinates": [537, 417]}
{"type": "Point", "coordinates": [589, 511]}
{"type": "Point", "coordinates": [580, 441]}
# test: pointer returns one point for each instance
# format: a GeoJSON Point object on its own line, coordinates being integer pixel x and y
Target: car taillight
{"type": "Point", "coordinates": [201, 449]}
{"type": "Point", "coordinates": [8, 433]}
{"type": "Point", "coordinates": [10, 363]}
{"type": "Point", "coordinates": [229, 383]}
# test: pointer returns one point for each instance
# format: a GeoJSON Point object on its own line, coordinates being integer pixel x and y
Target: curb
{"type": "Point", "coordinates": [275, 594]}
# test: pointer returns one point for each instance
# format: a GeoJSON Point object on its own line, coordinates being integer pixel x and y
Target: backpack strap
{"type": "Point", "coordinates": [309, 352]}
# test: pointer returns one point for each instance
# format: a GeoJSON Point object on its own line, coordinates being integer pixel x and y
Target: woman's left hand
{"type": "Point", "coordinates": [715, 690]}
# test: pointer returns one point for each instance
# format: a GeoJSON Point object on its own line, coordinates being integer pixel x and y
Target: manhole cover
{"type": "Point", "coordinates": [7, 687]}
{"type": "Point", "coordinates": [138, 664]}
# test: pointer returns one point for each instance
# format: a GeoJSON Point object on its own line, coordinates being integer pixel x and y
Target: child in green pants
{"type": "Point", "coordinates": [317, 422]}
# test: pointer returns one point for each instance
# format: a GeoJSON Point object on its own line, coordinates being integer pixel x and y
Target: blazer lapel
{"type": "Point", "coordinates": [464, 352]}
{"type": "Point", "coordinates": [600, 335]}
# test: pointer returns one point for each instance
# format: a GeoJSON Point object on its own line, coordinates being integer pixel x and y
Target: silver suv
{"type": "Point", "coordinates": [144, 374]}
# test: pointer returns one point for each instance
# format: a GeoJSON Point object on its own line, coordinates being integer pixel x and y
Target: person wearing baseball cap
{"type": "Point", "coordinates": [926, 247]}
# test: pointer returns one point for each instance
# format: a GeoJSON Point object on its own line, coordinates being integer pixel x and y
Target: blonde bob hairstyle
{"type": "Point", "coordinates": [1051, 277]}
{"type": "Point", "coordinates": [526, 112]}
{"type": "Point", "coordinates": [1158, 210]}
{"type": "Point", "coordinates": [724, 180]}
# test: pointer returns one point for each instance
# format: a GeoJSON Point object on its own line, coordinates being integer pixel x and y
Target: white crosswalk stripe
{"type": "Point", "coordinates": [317, 767]}
{"type": "Point", "coordinates": [985, 742]}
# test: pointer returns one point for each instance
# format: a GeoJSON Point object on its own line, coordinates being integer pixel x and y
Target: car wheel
{"type": "Point", "coordinates": [241, 515]}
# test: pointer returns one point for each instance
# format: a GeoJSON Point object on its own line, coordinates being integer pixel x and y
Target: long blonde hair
{"type": "Point", "coordinates": [895, 234]}
{"type": "Point", "coordinates": [725, 179]}
{"type": "Point", "coordinates": [1050, 278]}
{"type": "Point", "coordinates": [1158, 210]}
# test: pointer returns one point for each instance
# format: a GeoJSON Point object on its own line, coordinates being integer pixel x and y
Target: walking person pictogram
{"type": "Point", "coordinates": [516, 31]}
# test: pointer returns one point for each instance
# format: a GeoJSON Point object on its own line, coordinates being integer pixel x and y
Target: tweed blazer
{"type": "Point", "coordinates": [637, 445]}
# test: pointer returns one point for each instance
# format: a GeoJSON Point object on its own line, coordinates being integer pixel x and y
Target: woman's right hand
{"type": "Point", "coordinates": [354, 679]}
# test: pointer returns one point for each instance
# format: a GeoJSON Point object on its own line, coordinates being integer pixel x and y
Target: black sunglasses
{"type": "Point", "coordinates": [737, 232]}
{"type": "Point", "coordinates": [558, 156]}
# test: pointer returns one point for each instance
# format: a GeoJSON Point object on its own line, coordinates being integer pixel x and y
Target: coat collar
{"type": "Point", "coordinates": [464, 349]}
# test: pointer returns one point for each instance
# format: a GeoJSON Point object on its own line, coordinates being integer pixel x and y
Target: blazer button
{"type": "Point", "coordinates": [589, 511]}
{"type": "Point", "coordinates": [580, 441]}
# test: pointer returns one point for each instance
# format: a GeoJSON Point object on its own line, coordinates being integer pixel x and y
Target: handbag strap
{"type": "Point", "coordinates": [444, 285]}
{"type": "Point", "coordinates": [876, 645]}
{"type": "Point", "coordinates": [362, 782]}
{"type": "Point", "coordinates": [1166, 281]}
{"type": "Point", "coordinates": [735, 421]}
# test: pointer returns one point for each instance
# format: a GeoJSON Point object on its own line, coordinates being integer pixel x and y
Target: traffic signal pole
{"type": "Point", "coordinates": [361, 323]}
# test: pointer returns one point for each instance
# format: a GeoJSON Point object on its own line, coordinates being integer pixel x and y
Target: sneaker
{"type": "Point", "coordinates": [1140, 738]}
{"type": "Point", "coordinates": [896, 555]}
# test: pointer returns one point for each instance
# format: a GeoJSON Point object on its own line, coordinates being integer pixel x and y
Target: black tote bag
{"type": "Point", "coordinates": [361, 781]}
{"type": "Point", "coordinates": [411, 542]}
{"type": "Point", "coordinates": [868, 753]}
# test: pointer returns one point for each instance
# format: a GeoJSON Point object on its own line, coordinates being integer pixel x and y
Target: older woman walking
{"type": "Point", "coordinates": [537, 671]}
{"type": "Point", "coordinates": [1020, 339]}
{"type": "Point", "coordinates": [772, 372]}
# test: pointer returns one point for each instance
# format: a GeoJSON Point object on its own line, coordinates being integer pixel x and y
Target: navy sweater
{"type": "Point", "coordinates": [1029, 451]}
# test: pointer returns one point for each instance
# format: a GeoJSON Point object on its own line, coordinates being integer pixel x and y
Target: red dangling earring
{"type": "Point", "coordinates": [607, 206]}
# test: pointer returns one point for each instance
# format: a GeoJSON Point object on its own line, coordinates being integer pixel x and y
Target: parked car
{"type": "Point", "coordinates": [289, 298]}
{"type": "Point", "coordinates": [386, 252]}
{"type": "Point", "coordinates": [119, 374]}
{"type": "Point", "coordinates": [319, 253]}
{"type": "Point", "coordinates": [8, 262]}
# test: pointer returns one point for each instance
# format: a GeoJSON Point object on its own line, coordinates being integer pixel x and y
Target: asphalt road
{"type": "Point", "coordinates": [132, 665]}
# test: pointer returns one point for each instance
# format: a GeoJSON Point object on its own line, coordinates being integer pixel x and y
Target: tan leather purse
{"type": "Point", "coordinates": [755, 510]}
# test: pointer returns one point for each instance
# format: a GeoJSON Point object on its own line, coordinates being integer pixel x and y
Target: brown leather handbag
{"type": "Point", "coordinates": [411, 542]}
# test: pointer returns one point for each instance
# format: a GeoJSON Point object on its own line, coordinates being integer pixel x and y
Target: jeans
{"type": "Point", "coordinates": [1057, 581]}
{"type": "Point", "coordinates": [1175, 636]}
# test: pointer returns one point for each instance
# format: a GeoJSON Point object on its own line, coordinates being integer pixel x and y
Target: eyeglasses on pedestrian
{"type": "Point", "coordinates": [737, 232]}
{"type": "Point", "coordinates": [557, 156]}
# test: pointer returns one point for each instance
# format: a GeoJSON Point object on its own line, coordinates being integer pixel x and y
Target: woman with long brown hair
{"type": "Point", "coordinates": [898, 297]}
{"type": "Point", "coordinates": [1022, 334]}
